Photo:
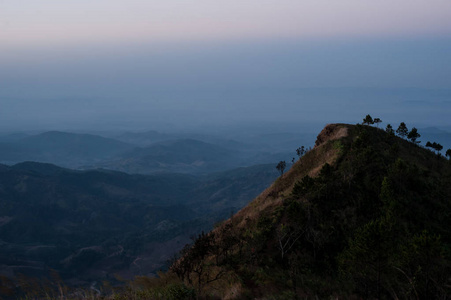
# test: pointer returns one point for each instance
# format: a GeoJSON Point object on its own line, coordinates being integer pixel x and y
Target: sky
{"type": "Point", "coordinates": [139, 64]}
{"type": "Point", "coordinates": [54, 22]}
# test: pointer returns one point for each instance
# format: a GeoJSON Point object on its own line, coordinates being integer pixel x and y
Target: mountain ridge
{"type": "Point", "coordinates": [357, 216]}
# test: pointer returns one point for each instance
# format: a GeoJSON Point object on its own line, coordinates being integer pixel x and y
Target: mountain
{"type": "Point", "coordinates": [183, 156]}
{"type": "Point", "coordinates": [191, 156]}
{"type": "Point", "coordinates": [12, 137]}
{"type": "Point", "coordinates": [90, 225]}
{"type": "Point", "coordinates": [86, 151]}
{"type": "Point", "coordinates": [364, 214]}
{"type": "Point", "coordinates": [147, 138]}
{"type": "Point", "coordinates": [62, 148]}
{"type": "Point", "coordinates": [143, 138]}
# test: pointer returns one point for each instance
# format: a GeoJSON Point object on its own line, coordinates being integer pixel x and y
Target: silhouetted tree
{"type": "Point", "coordinates": [300, 151]}
{"type": "Point", "coordinates": [402, 130]}
{"type": "Point", "coordinates": [389, 130]}
{"type": "Point", "coordinates": [448, 153]}
{"type": "Point", "coordinates": [281, 166]}
{"type": "Point", "coordinates": [368, 120]}
{"type": "Point", "coordinates": [437, 147]}
{"type": "Point", "coordinates": [414, 135]}
{"type": "Point", "coordinates": [377, 121]}
{"type": "Point", "coordinates": [193, 266]}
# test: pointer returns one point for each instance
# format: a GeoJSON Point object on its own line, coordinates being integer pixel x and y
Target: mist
{"type": "Point", "coordinates": [210, 85]}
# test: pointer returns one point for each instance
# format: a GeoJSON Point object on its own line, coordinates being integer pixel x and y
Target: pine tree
{"type": "Point", "coordinates": [414, 135]}
{"type": "Point", "coordinates": [402, 130]}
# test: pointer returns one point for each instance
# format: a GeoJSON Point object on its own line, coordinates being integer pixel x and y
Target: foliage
{"type": "Point", "coordinates": [368, 120]}
{"type": "Point", "coordinates": [377, 121]}
{"type": "Point", "coordinates": [300, 151]}
{"type": "Point", "coordinates": [281, 166]}
{"type": "Point", "coordinates": [437, 147]}
{"type": "Point", "coordinates": [402, 130]}
{"type": "Point", "coordinates": [413, 135]}
{"type": "Point", "coordinates": [389, 130]}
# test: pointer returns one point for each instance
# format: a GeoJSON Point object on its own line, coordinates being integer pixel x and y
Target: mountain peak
{"type": "Point", "coordinates": [331, 132]}
{"type": "Point", "coordinates": [353, 211]}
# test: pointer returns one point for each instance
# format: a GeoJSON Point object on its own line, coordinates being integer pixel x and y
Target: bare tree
{"type": "Point", "coordinates": [287, 236]}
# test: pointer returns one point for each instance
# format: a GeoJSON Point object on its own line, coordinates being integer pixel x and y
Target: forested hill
{"type": "Point", "coordinates": [90, 226]}
{"type": "Point", "coordinates": [365, 214]}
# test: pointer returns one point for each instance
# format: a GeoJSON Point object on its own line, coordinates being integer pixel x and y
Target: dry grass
{"type": "Point", "coordinates": [310, 164]}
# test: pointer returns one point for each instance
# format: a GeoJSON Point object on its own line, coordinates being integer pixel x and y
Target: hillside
{"type": "Point", "coordinates": [363, 215]}
{"type": "Point", "coordinates": [187, 156]}
{"type": "Point", "coordinates": [91, 225]}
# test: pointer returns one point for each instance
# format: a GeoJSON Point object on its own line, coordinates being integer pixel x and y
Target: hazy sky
{"type": "Point", "coordinates": [56, 22]}
{"type": "Point", "coordinates": [124, 63]}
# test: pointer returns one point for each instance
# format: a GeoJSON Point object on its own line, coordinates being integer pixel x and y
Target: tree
{"type": "Point", "coordinates": [368, 257]}
{"type": "Point", "coordinates": [413, 135]}
{"type": "Point", "coordinates": [281, 166]}
{"type": "Point", "coordinates": [300, 151]}
{"type": "Point", "coordinates": [437, 147]}
{"type": "Point", "coordinates": [402, 130]}
{"type": "Point", "coordinates": [193, 266]}
{"type": "Point", "coordinates": [389, 130]}
{"type": "Point", "coordinates": [368, 120]}
{"type": "Point", "coordinates": [448, 153]}
{"type": "Point", "coordinates": [377, 121]}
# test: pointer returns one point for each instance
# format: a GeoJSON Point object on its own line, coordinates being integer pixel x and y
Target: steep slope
{"type": "Point", "coordinates": [363, 214]}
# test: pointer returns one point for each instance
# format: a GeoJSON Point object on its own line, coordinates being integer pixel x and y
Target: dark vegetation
{"type": "Point", "coordinates": [281, 167]}
{"type": "Point", "coordinates": [372, 223]}
{"type": "Point", "coordinates": [92, 225]}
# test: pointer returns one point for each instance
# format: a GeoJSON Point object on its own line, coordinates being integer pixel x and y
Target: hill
{"type": "Point", "coordinates": [182, 156]}
{"type": "Point", "coordinates": [62, 148]}
{"type": "Point", "coordinates": [91, 225]}
{"type": "Point", "coordinates": [364, 214]}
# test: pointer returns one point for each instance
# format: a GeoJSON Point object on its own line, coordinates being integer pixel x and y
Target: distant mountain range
{"type": "Point", "coordinates": [187, 156]}
{"type": "Point", "coordinates": [62, 148]}
{"type": "Point", "coordinates": [151, 152]}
